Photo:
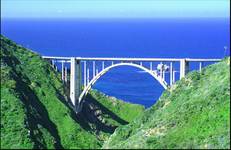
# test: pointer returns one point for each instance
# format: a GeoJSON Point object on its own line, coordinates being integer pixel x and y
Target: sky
{"type": "Point", "coordinates": [114, 8]}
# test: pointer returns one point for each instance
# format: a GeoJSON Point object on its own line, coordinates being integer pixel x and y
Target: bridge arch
{"type": "Point", "coordinates": [101, 73]}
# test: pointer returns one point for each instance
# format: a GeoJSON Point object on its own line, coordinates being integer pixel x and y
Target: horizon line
{"type": "Point", "coordinates": [180, 17]}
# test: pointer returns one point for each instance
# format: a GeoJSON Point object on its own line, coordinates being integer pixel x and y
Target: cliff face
{"type": "Point", "coordinates": [34, 109]}
{"type": "Point", "coordinates": [195, 113]}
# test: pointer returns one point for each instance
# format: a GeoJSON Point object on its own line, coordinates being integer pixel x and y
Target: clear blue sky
{"type": "Point", "coordinates": [114, 8]}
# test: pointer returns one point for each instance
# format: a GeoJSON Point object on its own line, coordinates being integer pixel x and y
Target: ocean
{"type": "Point", "coordinates": [175, 38]}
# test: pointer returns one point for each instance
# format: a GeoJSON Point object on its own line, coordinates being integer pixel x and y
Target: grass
{"type": "Point", "coordinates": [195, 113]}
{"type": "Point", "coordinates": [34, 108]}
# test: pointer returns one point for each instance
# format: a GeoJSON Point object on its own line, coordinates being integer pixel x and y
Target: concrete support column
{"type": "Point", "coordinates": [161, 71]}
{"type": "Point", "coordinates": [85, 73]}
{"type": "Point", "coordinates": [97, 71]}
{"type": "Point", "coordinates": [75, 81]}
{"type": "Point", "coordinates": [184, 68]}
{"type": "Point", "coordinates": [53, 63]}
{"type": "Point", "coordinates": [88, 76]}
{"type": "Point", "coordinates": [171, 73]}
{"type": "Point", "coordinates": [173, 76]}
{"type": "Point", "coordinates": [62, 70]}
{"type": "Point", "coordinates": [103, 65]}
{"type": "Point", "coordinates": [163, 75]}
{"type": "Point", "coordinates": [93, 69]}
{"type": "Point", "coordinates": [141, 63]}
{"type": "Point", "coordinates": [56, 68]}
{"type": "Point", "coordinates": [65, 74]}
{"type": "Point", "coordinates": [200, 66]}
{"type": "Point", "coordinates": [151, 66]}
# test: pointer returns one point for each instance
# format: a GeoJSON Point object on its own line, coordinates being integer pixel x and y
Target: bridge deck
{"type": "Point", "coordinates": [132, 59]}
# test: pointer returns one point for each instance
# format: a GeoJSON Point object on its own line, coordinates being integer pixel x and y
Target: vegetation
{"type": "Point", "coordinates": [35, 112]}
{"type": "Point", "coordinates": [194, 113]}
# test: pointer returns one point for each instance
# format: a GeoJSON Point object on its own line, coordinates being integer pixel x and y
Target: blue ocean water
{"type": "Point", "coordinates": [191, 38]}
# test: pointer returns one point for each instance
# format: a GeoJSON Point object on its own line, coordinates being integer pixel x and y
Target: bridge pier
{"type": "Point", "coordinates": [75, 82]}
{"type": "Point", "coordinates": [184, 68]}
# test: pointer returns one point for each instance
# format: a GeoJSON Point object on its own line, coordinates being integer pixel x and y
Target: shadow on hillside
{"type": "Point", "coordinates": [73, 114]}
{"type": "Point", "coordinates": [36, 112]}
{"type": "Point", "coordinates": [94, 112]}
{"type": "Point", "coordinates": [91, 114]}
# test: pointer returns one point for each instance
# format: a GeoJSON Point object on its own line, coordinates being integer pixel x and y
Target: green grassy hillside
{"type": "Point", "coordinates": [34, 109]}
{"type": "Point", "coordinates": [195, 113]}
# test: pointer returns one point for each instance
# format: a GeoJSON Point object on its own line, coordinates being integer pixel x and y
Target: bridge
{"type": "Point", "coordinates": [91, 69]}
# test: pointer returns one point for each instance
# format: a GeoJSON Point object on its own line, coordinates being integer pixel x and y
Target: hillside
{"type": "Point", "coordinates": [35, 112]}
{"type": "Point", "coordinates": [195, 113]}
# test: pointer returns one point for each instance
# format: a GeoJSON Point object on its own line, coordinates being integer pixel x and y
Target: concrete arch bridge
{"type": "Point", "coordinates": [89, 70]}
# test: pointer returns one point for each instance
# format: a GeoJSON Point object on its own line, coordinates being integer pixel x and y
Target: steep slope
{"type": "Point", "coordinates": [195, 113]}
{"type": "Point", "coordinates": [34, 109]}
